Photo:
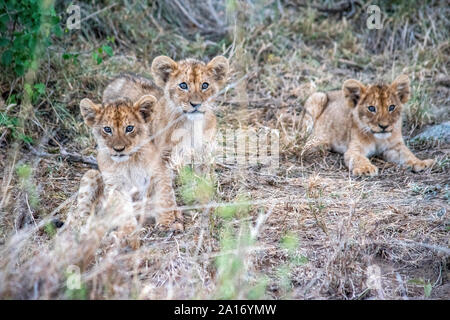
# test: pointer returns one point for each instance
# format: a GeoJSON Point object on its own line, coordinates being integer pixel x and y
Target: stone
{"type": "Point", "coordinates": [439, 132]}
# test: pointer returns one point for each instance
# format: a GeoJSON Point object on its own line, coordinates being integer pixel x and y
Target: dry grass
{"type": "Point", "coordinates": [307, 230]}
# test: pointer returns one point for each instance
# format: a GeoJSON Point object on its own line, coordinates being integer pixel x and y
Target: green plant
{"type": "Point", "coordinates": [35, 91]}
{"type": "Point", "coordinates": [418, 109]}
{"type": "Point", "coordinates": [26, 27]}
{"type": "Point", "coordinates": [50, 229]}
{"type": "Point", "coordinates": [233, 262]}
{"type": "Point", "coordinates": [12, 123]}
{"type": "Point", "coordinates": [103, 51]}
{"type": "Point", "coordinates": [290, 243]}
{"type": "Point", "coordinates": [427, 287]}
{"type": "Point", "coordinates": [25, 175]}
{"type": "Point", "coordinates": [194, 187]}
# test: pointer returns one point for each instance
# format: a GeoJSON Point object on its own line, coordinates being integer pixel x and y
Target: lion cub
{"type": "Point", "coordinates": [186, 90]}
{"type": "Point", "coordinates": [360, 121]}
{"type": "Point", "coordinates": [130, 166]}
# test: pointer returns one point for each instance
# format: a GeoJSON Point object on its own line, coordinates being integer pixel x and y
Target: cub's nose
{"type": "Point", "coordinates": [119, 149]}
{"type": "Point", "coordinates": [195, 105]}
{"type": "Point", "coordinates": [383, 127]}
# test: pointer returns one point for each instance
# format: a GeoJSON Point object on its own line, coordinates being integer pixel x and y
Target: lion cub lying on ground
{"type": "Point", "coordinates": [185, 90]}
{"type": "Point", "coordinates": [360, 121]}
{"type": "Point", "coordinates": [130, 166]}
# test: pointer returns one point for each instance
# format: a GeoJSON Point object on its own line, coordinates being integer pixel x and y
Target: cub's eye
{"type": "Point", "coordinates": [391, 108]}
{"type": "Point", "coordinates": [107, 130]}
{"type": "Point", "coordinates": [183, 85]}
{"type": "Point", "coordinates": [205, 85]}
{"type": "Point", "coordinates": [129, 129]}
{"type": "Point", "coordinates": [372, 108]}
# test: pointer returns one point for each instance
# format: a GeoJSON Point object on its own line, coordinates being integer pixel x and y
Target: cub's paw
{"type": "Point", "coordinates": [420, 165]}
{"type": "Point", "coordinates": [172, 221]}
{"type": "Point", "coordinates": [124, 238]}
{"type": "Point", "coordinates": [365, 170]}
{"type": "Point", "coordinates": [177, 226]}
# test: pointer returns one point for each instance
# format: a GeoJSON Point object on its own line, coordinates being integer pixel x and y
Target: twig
{"type": "Point", "coordinates": [29, 209]}
{"type": "Point", "coordinates": [351, 64]}
{"type": "Point", "coordinates": [97, 12]}
{"type": "Point", "coordinates": [340, 7]}
{"type": "Point", "coordinates": [3, 135]}
{"type": "Point", "coordinates": [69, 156]}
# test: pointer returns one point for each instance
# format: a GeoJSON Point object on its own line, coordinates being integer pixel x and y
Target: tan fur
{"type": "Point", "coordinates": [174, 114]}
{"type": "Point", "coordinates": [343, 123]}
{"type": "Point", "coordinates": [130, 165]}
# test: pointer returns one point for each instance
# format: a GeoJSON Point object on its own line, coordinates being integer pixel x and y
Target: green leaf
{"type": "Point", "coordinates": [4, 20]}
{"type": "Point", "coordinates": [4, 42]}
{"type": "Point", "coordinates": [6, 121]}
{"type": "Point", "coordinates": [57, 30]}
{"type": "Point", "coordinates": [40, 87]}
{"type": "Point", "coordinates": [258, 290]}
{"type": "Point", "coordinates": [54, 20]}
{"type": "Point", "coordinates": [290, 241]}
{"type": "Point", "coordinates": [97, 57]}
{"type": "Point", "coordinates": [427, 290]}
{"type": "Point", "coordinates": [28, 89]}
{"type": "Point", "coordinates": [19, 69]}
{"type": "Point", "coordinates": [7, 57]}
{"type": "Point", "coordinates": [50, 229]}
{"type": "Point", "coordinates": [418, 281]}
{"type": "Point", "coordinates": [24, 171]}
{"type": "Point", "coordinates": [300, 260]}
{"type": "Point", "coordinates": [12, 99]}
{"type": "Point", "coordinates": [226, 212]}
{"type": "Point", "coordinates": [108, 50]}
{"type": "Point", "coordinates": [25, 138]}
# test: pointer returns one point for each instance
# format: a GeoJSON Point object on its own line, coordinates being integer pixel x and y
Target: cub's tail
{"type": "Point", "coordinates": [313, 108]}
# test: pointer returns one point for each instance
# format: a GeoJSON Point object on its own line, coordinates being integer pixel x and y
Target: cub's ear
{"type": "Point", "coordinates": [401, 87]}
{"type": "Point", "coordinates": [145, 106]}
{"type": "Point", "coordinates": [162, 67]}
{"type": "Point", "coordinates": [353, 90]}
{"type": "Point", "coordinates": [89, 110]}
{"type": "Point", "coordinates": [219, 67]}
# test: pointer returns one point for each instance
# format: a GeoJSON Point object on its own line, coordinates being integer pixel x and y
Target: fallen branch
{"type": "Point", "coordinates": [340, 7]}
{"type": "Point", "coordinates": [69, 156]}
{"type": "Point", "coordinates": [351, 64]}
{"type": "Point", "coordinates": [443, 81]}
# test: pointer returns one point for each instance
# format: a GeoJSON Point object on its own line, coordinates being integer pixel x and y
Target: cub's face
{"type": "Point", "coordinates": [120, 128]}
{"type": "Point", "coordinates": [377, 107]}
{"type": "Point", "coordinates": [190, 85]}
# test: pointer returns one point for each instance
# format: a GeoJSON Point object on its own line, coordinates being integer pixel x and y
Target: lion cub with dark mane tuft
{"type": "Point", "coordinates": [360, 121]}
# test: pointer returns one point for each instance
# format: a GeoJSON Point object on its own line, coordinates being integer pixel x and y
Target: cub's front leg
{"type": "Point", "coordinates": [401, 155]}
{"type": "Point", "coordinates": [358, 163]}
{"type": "Point", "coordinates": [89, 194]}
{"type": "Point", "coordinates": [168, 216]}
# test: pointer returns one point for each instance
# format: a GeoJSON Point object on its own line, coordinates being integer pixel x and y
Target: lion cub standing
{"type": "Point", "coordinates": [186, 90]}
{"type": "Point", "coordinates": [130, 166]}
{"type": "Point", "coordinates": [360, 121]}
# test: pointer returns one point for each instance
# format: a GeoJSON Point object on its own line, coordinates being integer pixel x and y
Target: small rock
{"type": "Point", "coordinates": [440, 132]}
{"type": "Point", "coordinates": [441, 212]}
